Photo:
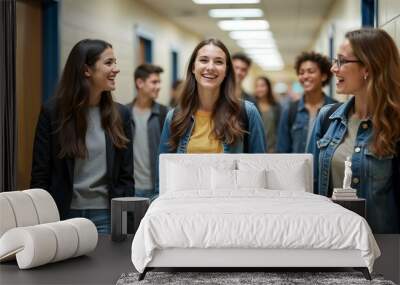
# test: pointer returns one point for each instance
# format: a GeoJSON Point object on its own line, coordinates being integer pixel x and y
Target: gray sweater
{"type": "Point", "coordinates": [90, 186]}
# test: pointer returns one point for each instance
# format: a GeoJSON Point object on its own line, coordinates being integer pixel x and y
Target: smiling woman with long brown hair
{"type": "Point", "coordinates": [365, 128]}
{"type": "Point", "coordinates": [83, 145]}
{"type": "Point", "coordinates": [210, 118]}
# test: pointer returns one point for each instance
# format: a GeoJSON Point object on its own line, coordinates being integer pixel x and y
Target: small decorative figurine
{"type": "Point", "coordinates": [347, 174]}
{"type": "Point", "coordinates": [345, 193]}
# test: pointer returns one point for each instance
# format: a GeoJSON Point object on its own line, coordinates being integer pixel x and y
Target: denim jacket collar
{"type": "Point", "coordinates": [342, 112]}
{"type": "Point", "coordinates": [302, 102]}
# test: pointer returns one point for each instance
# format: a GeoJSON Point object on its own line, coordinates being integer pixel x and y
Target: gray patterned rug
{"type": "Point", "coordinates": [243, 278]}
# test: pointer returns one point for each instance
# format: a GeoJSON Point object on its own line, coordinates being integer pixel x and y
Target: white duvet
{"type": "Point", "coordinates": [253, 218]}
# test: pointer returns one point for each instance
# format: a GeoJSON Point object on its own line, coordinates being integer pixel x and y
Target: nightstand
{"type": "Point", "coordinates": [119, 208]}
{"type": "Point", "coordinates": [358, 205]}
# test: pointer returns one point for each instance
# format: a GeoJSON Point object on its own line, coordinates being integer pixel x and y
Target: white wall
{"type": "Point", "coordinates": [344, 16]}
{"type": "Point", "coordinates": [389, 18]}
{"type": "Point", "coordinates": [117, 21]}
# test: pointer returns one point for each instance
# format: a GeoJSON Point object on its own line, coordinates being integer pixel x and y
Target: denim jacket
{"type": "Point", "coordinates": [294, 140]}
{"type": "Point", "coordinates": [372, 175]}
{"type": "Point", "coordinates": [256, 137]}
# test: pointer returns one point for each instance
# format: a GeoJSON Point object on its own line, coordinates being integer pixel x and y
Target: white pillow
{"type": "Point", "coordinates": [251, 178]}
{"type": "Point", "coordinates": [223, 179]}
{"type": "Point", "coordinates": [226, 179]}
{"type": "Point", "coordinates": [280, 174]}
{"type": "Point", "coordinates": [291, 179]}
{"type": "Point", "coordinates": [182, 177]}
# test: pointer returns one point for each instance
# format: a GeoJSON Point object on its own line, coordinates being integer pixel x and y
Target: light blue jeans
{"type": "Point", "coordinates": [100, 217]}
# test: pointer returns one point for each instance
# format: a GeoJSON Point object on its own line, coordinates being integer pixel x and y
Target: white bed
{"type": "Point", "coordinates": [247, 210]}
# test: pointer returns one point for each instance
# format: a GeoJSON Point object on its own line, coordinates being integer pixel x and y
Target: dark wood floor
{"type": "Point", "coordinates": [106, 264]}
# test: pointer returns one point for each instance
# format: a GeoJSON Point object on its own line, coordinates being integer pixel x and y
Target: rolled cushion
{"type": "Point", "coordinates": [24, 210]}
{"type": "Point", "coordinates": [41, 244]}
{"type": "Point", "coordinates": [7, 218]}
{"type": "Point", "coordinates": [87, 235]}
{"type": "Point", "coordinates": [67, 240]}
{"type": "Point", "coordinates": [45, 206]}
{"type": "Point", "coordinates": [33, 246]}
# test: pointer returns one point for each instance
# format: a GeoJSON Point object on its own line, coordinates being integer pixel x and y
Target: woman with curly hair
{"type": "Point", "coordinates": [365, 128]}
{"type": "Point", "coordinates": [298, 117]}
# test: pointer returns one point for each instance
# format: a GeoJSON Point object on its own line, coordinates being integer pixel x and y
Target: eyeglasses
{"type": "Point", "coordinates": [341, 61]}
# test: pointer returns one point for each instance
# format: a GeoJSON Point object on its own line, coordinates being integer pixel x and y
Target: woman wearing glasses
{"type": "Point", "coordinates": [297, 119]}
{"type": "Point", "coordinates": [365, 128]}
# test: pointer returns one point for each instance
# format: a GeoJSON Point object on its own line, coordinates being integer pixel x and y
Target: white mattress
{"type": "Point", "coordinates": [252, 218]}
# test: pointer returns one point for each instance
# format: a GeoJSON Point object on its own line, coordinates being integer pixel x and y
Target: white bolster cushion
{"type": "Point", "coordinates": [67, 240]}
{"type": "Point", "coordinates": [46, 208]}
{"type": "Point", "coordinates": [87, 235]}
{"type": "Point", "coordinates": [7, 218]}
{"type": "Point", "coordinates": [24, 211]}
{"type": "Point", "coordinates": [26, 208]}
{"type": "Point", "coordinates": [41, 244]}
{"type": "Point", "coordinates": [33, 246]}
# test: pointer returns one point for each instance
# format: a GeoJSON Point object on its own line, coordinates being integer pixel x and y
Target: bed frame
{"type": "Point", "coordinates": [246, 259]}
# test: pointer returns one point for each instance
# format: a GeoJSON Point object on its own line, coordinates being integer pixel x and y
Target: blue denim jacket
{"type": "Point", "coordinates": [256, 137]}
{"type": "Point", "coordinates": [372, 175]}
{"type": "Point", "coordinates": [294, 140]}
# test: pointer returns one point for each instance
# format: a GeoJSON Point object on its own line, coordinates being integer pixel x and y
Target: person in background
{"type": "Point", "coordinates": [210, 118]}
{"type": "Point", "coordinates": [297, 119]}
{"type": "Point", "coordinates": [82, 152]}
{"type": "Point", "coordinates": [269, 109]}
{"type": "Point", "coordinates": [365, 128]}
{"type": "Point", "coordinates": [147, 122]}
{"type": "Point", "coordinates": [241, 65]}
{"type": "Point", "coordinates": [282, 93]}
{"type": "Point", "coordinates": [175, 93]}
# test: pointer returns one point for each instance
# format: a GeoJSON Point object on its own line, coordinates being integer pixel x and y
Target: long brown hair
{"type": "Point", "coordinates": [379, 54]}
{"type": "Point", "coordinates": [226, 113]}
{"type": "Point", "coordinates": [72, 102]}
{"type": "Point", "coordinates": [270, 95]}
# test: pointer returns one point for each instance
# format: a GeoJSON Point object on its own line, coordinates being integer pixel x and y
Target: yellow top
{"type": "Point", "coordinates": [202, 140]}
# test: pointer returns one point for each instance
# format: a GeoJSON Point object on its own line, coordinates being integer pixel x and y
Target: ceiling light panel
{"type": "Point", "coordinates": [256, 43]}
{"type": "Point", "coordinates": [269, 63]}
{"type": "Point", "coordinates": [208, 2]}
{"type": "Point", "coordinates": [243, 25]}
{"type": "Point", "coordinates": [245, 35]}
{"type": "Point", "coordinates": [261, 51]}
{"type": "Point", "coordinates": [235, 13]}
{"type": "Point", "coordinates": [268, 60]}
{"type": "Point", "coordinates": [273, 68]}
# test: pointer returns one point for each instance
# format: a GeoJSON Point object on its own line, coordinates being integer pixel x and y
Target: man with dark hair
{"type": "Point", "coordinates": [241, 65]}
{"type": "Point", "coordinates": [147, 122]}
